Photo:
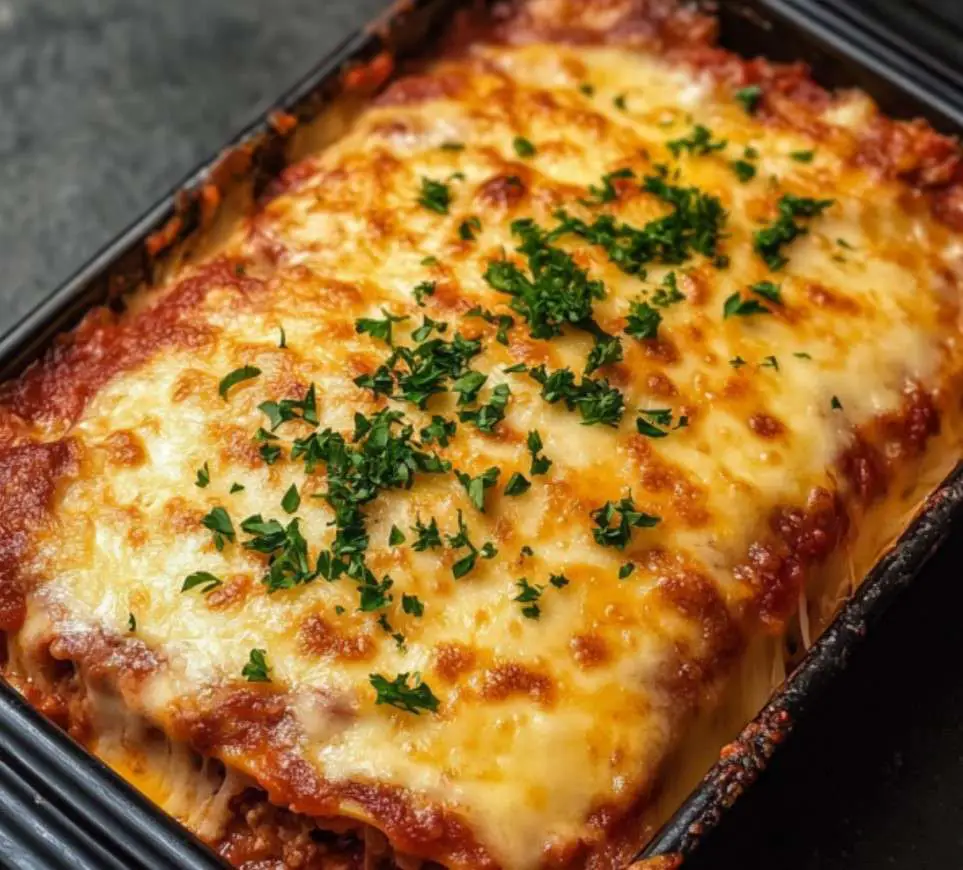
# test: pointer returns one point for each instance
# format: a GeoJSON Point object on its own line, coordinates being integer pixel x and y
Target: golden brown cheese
{"type": "Point", "coordinates": [549, 731]}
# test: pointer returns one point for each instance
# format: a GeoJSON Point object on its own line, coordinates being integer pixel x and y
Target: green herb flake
{"type": "Point", "coordinates": [282, 339]}
{"type": "Point", "coordinates": [769, 242]}
{"type": "Point", "coordinates": [768, 290]}
{"type": "Point", "coordinates": [208, 582]}
{"type": "Point", "coordinates": [743, 169]}
{"type": "Point", "coordinates": [698, 143]}
{"type": "Point", "coordinates": [523, 147]}
{"type": "Point", "coordinates": [396, 537]}
{"type": "Point", "coordinates": [529, 595]}
{"type": "Point", "coordinates": [236, 487]}
{"type": "Point", "coordinates": [628, 517]}
{"type": "Point", "coordinates": [835, 404]}
{"type": "Point", "coordinates": [607, 192]}
{"type": "Point", "coordinates": [256, 669]}
{"type": "Point", "coordinates": [769, 362]}
{"type": "Point", "coordinates": [749, 98]}
{"type": "Point", "coordinates": [559, 581]}
{"type": "Point", "coordinates": [517, 484]}
{"type": "Point", "coordinates": [203, 476]}
{"type": "Point", "coordinates": [244, 373]}
{"type": "Point", "coordinates": [380, 329]}
{"type": "Point", "coordinates": [607, 350]}
{"type": "Point", "coordinates": [737, 362]}
{"type": "Point", "coordinates": [468, 229]}
{"type": "Point", "coordinates": [626, 570]}
{"type": "Point", "coordinates": [435, 196]}
{"type": "Point", "coordinates": [219, 522]}
{"type": "Point", "coordinates": [397, 693]}
{"type": "Point", "coordinates": [587, 89]}
{"type": "Point", "coordinates": [802, 355]}
{"type": "Point", "coordinates": [540, 464]}
{"type": "Point", "coordinates": [452, 146]}
{"type": "Point", "coordinates": [476, 486]}
{"type": "Point", "coordinates": [736, 306]}
{"type": "Point", "coordinates": [439, 430]}
{"type": "Point", "coordinates": [620, 102]}
{"type": "Point", "coordinates": [643, 321]}
{"type": "Point", "coordinates": [427, 537]}
{"type": "Point", "coordinates": [412, 605]}
{"type": "Point", "coordinates": [802, 156]}
{"type": "Point", "coordinates": [425, 288]}
{"type": "Point", "coordinates": [291, 500]}
{"type": "Point", "coordinates": [487, 416]}
{"type": "Point", "coordinates": [131, 622]}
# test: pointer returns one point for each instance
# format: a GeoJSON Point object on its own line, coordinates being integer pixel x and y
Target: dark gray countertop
{"type": "Point", "coordinates": [106, 104]}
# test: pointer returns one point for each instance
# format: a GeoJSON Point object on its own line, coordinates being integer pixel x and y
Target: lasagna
{"type": "Point", "coordinates": [458, 497]}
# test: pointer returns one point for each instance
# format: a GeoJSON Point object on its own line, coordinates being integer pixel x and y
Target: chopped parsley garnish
{"type": "Point", "coordinates": [237, 487]}
{"type": "Point", "coordinates": [270, 453]}
{"type": "Point", "coordinates": [427, 537]}
{"type": "Point", "coordinates": [802, 156]}
{"type": "Point", "coordinates": [219, 522]}
{"type": "Point", "coordinates": [291, 409]}
{"type": "Point", "coordinates": [626, 570]}
{"type": "Point", "coordinates": [515, 369]}
{"type": "Point", "coordinates": [425, 288]}
{"type": "Point", "coordinates": [802, 355]}
{"type": "Point", "coordinates": [476, 486]}
{"type": "Point", "coordinates": [607, 192]}
{"type": "Point", "coordinates": [769, 362]}
{"type": "Point", "coordinates": [606, 350]}
{"type": "Point", "coordinates": [844, 244]}
{"type": "Point", "coordinates": [412, 605]}
{"type": "Point", "coordinates": [646, 423]}
{"type": "Point", "coordinates": [203, 476]}
{"type": "Point", "coordinates": [529, 596]}
{"type": "Point", "coordinates": [628, 516]}
{"type": "Point", "coordinates": [397, 693]}
{"type": "Point", "coordinates": [749, 98]}
{"type": "Point", "coordinates": [736, 306]}
{"type": "Point", "coordinates": [461, 540]}
{"type": "Point", "coordinates": [559, 581]}
{"type": "Point", "coordinates": [339, 610]}
{"type": "Point", "coordinates": [693, 226]}
{"type": "Point", "coordinates": [835, 404]}
{"type": "Point", "coordinates": [669, 293]}
{"type": "Point", "coordinates": [620, 103]}
{"type": "Point", "coordinates": [643, 321]}
{"type": "Point", "coordinates": [427, 327]}
{"type": "Point", "coordinates": [435, 196]}
{"type": "Point", "coordinates": [286, 548]}
{"type": "Point", "coordinates": [440, 430]}
{"type": "Point", "coordinates": [768, 290]}
{"type": "Point", "coordinates": [487, 416]}
{"type": "Point", "coordinates": [468, 229]}
{"type": "Point", "coordinates": [504, 322]}
{"type": "Point", "coordinates": [744, 170]}
{"type": "Point", "coordinates": [699, 142]}
{"type": "Point", "coordinates": [557, 292]}
{"type": "Point", "coordinates": [378, 328]}
{"type": "Point", "coordinates": [737, 362]}
{"type": "Point", "coordinates": [208, 582]}
{"type": "Point", "coordinates": [452, 146]}
{"type": "Point", "coordinates": [427, 368]}
{"type": "Point", "coordinates": [282, 339]}
{"type": "Point", "coordinates": [256, 670]}
{"type": "Point", "coordinates": [396, 537]}
{"type": "Point", "coordinates": [523, 147]}
{"type": "Point", "coordinates": [769, 241]}
{"type": "Point", "coordinates": [596, 401]}
{"type": "Point", "coordinates": [540, 464]}
{"type": "Point", "coordinates": [292, 499]}
{"type": "Point", "coordinates": [587, 89]}
{"type": "Point", "coordinates": [131, 622]}
{"type": "Point", "coordinates": [244, 373]}
{"type": "Point", "coordinates": [373, 595]}
{"type": "Point", "coordinates": [517, 484]}
{"type": "Point", "coordinates": [468, 386]}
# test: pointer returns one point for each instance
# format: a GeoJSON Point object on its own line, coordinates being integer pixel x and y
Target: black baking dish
{"type": "Point", "coordinates": [60, 807]}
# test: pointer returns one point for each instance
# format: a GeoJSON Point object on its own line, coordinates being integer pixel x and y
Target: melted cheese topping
{"type": "Point", "coordinates": [541, 722]}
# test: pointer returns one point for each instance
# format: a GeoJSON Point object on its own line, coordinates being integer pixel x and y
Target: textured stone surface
{"type": "Point", "coordinates": [106, 104]}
